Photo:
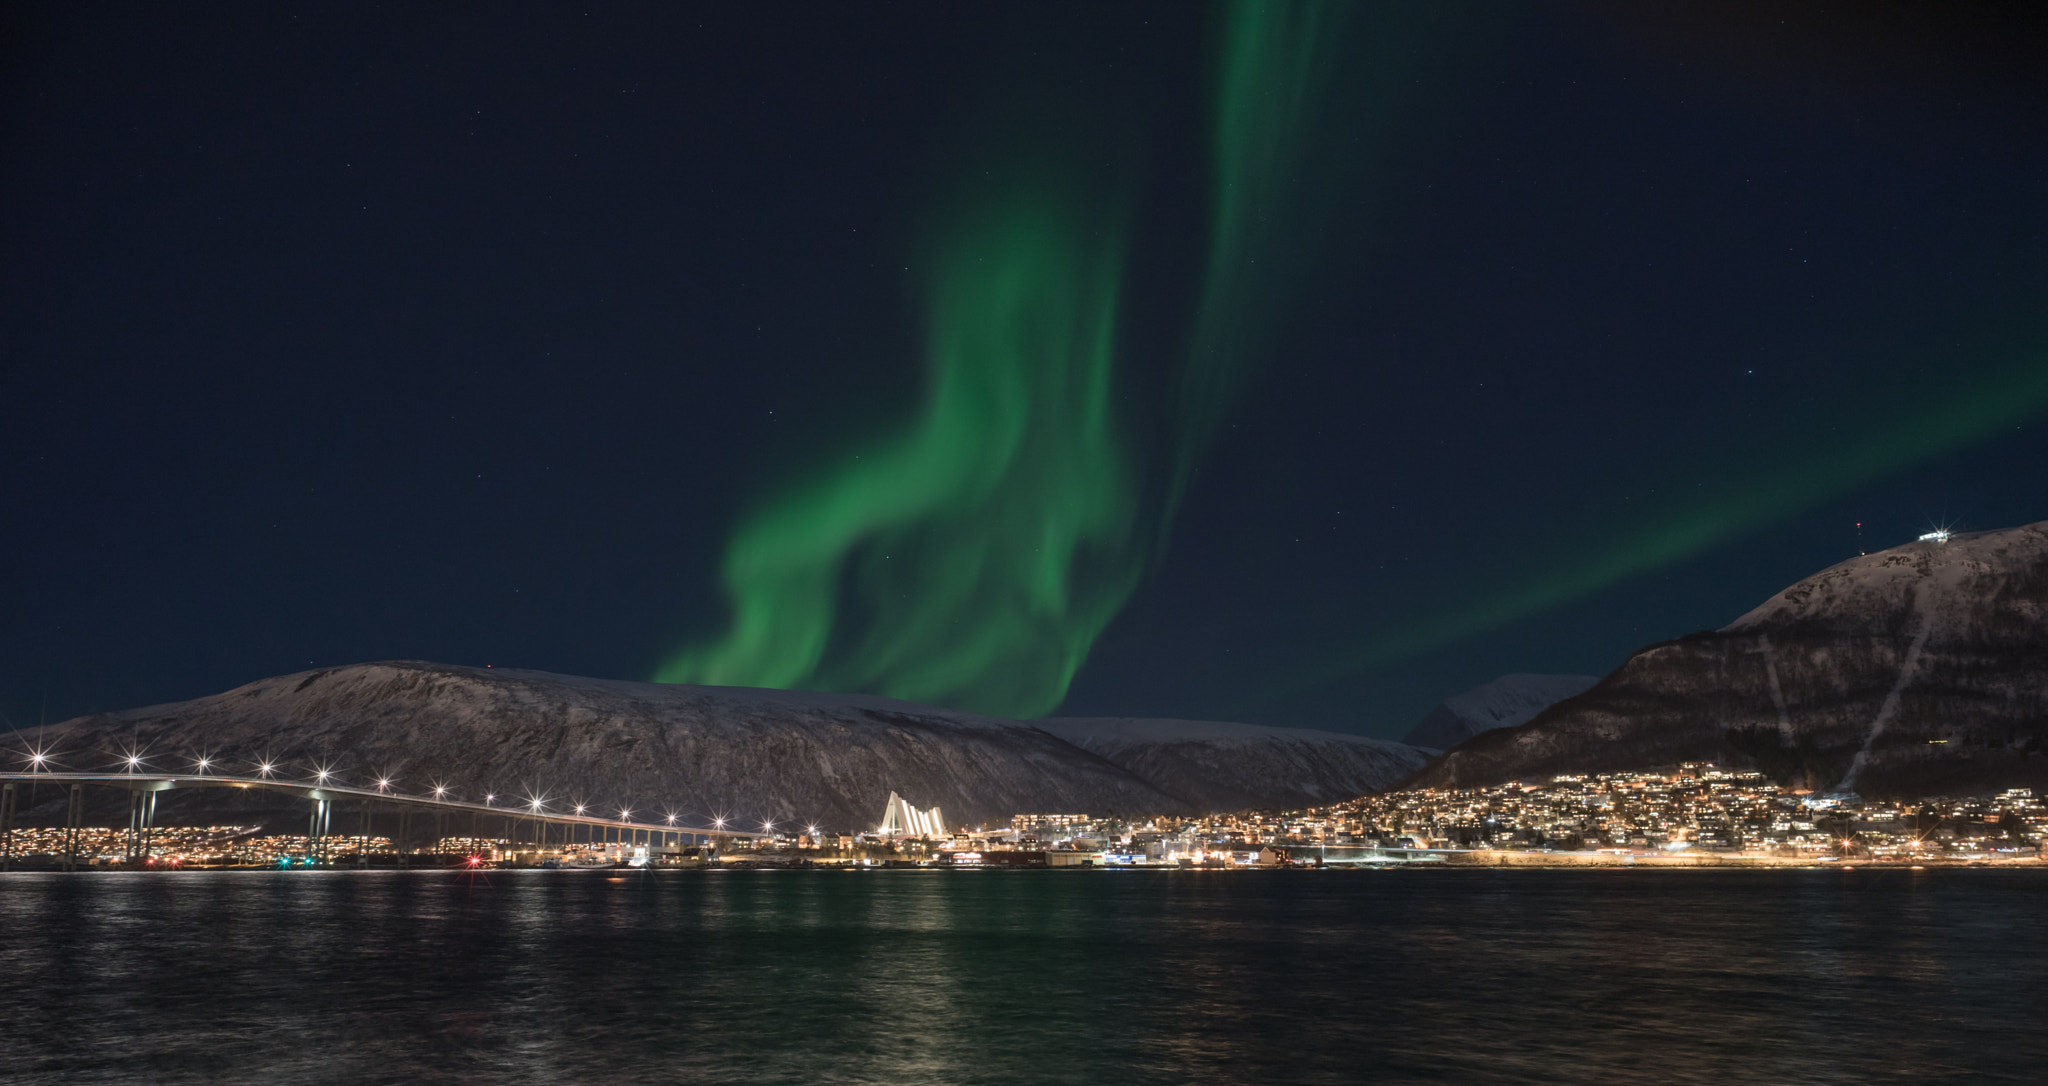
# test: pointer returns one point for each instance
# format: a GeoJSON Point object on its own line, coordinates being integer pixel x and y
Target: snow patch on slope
{"type": "Point", "coordinates": [1217, 766]}
{"type": "Point", "coordinates": [1506, 702]}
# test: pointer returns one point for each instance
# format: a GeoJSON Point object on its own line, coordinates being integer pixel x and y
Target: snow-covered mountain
{"type": "Point", "coordinates": [1503, 703]}
{"type": "Point", "coordinates": [1225, 767]}
{"type": "Point", "coordinates": [1918, 670]}
{"type": "Point", "coordinates": [746, 754]}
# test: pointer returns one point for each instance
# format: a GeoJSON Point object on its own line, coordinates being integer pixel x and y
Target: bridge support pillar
{"type": "Point", "coordinates": [6, 825]}
{"type": "Point", "coordinates": [148, 823]}
{"type": "Point", "coordinates": [74, 817]}
{"type": "Point", "coordinates": [316, 831]}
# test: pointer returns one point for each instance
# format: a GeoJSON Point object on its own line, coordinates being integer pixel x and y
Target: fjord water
{"type": "Point", "coordinates": [900, 977]}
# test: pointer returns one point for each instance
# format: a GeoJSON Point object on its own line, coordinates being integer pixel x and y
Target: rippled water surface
{"type": "Point", "coordinates": [1025, 977]}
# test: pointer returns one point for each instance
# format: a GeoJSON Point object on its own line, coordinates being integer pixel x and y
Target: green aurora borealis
{"type": "Point", "coordinates": [1802, 471]}
{"type": "Point", "coordinates": [972, 559]}
{"type": "Point", "coordinates": [989, 543]}
{"type": "Point", "coordinates": [1293, 363]}
{"type": "Point", "coordinates": [1273, 61]}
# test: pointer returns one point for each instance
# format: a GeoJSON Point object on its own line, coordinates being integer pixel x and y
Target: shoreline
{"type": "Point", "coordinates": [1466, 861]}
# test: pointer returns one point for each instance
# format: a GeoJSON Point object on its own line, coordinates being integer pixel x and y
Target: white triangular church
{"type": "Point", "coordinates": [900, 819]}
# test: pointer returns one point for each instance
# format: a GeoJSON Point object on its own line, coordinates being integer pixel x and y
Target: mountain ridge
{"type": "Point", "coordinates": [736, 752]}
{"type": "Point", "coordinates": [1505, 702]}
{"type": "Point", "coordinates": [1921, 669]}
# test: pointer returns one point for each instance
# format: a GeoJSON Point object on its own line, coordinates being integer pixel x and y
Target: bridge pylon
{"type": "Point", "coordinates": [6, 825]}
{"type": "Point", "coordinates": [74, 820]}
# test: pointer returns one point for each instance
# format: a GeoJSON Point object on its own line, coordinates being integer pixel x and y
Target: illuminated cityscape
{"type": "Point", "coordinates": [1696, 811]}
{"type": "Point", "coordinates": [1694, 814]}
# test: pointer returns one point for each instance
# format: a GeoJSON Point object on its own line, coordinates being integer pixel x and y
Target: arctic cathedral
{"type": "Point", "coordinates": [900, 819]}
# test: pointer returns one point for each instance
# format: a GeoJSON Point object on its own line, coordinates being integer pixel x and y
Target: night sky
{"type": "Point", "coordinates": [1291, 365]}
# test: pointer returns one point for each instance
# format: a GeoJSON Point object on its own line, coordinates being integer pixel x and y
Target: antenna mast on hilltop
{"type": "Point", "coordinates": [1859, 539]}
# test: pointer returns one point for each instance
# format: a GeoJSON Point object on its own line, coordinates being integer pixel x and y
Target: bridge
{"type": "Point", "coordinates": [531, 820]}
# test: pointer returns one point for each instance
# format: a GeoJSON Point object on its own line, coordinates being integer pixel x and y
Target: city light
{"type": "Point", "coordinates": [383, 784]}
{"type": "Point", "coordinates": [489, 797]}
{"type": "Point", "coordinates": [1696, 814]}
{"type": "Point", "coordinates": [265, 768]}
{"type": "Point", "coordinates": [203, 763]}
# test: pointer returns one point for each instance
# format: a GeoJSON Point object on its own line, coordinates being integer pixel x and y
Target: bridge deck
{"type": "Point", "coordinates": [159, 782]}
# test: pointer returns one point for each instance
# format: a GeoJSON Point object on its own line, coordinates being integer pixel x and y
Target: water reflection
{"type": "Point", "coordinates": [1024, 977]}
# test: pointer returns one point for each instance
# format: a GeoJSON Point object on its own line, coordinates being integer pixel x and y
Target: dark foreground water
{"type": "Point", "coordinates": [1025, 977]}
